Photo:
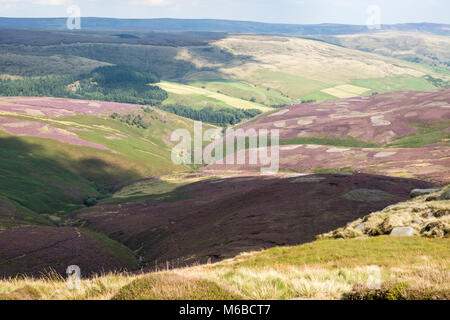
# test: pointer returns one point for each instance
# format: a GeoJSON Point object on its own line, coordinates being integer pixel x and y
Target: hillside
{"type": "Point", "coordinates": [76, 153]}
{"type": "Point", "coordinates": [398, 134]}
{"type": "Point", "coordinates": [240, 71]}
{"type": "Point", "coordinates": [88, 175]}
{"type": "Point", "coordinates": [415, 47]}
{"type": "Point", "coordinates": [413, 268]}
{"type": "Point", "coordinates": [225, 216]}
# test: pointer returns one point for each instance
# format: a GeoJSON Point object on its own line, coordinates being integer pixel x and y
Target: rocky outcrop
{"type": "Point", "coordinates": [427, 215]}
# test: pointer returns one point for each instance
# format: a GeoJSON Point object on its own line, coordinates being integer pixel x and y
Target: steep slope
{"type": "Point", "coordinates": [60, 155]}
{"type": "Point", "coordinates": [75, 150]}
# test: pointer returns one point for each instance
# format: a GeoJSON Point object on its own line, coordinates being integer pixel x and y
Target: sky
{"type": "Point", "coordinates": [274, 11]}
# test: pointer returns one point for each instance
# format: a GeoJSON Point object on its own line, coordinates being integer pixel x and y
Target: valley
{"type": "Point", "coordinates": [90, 121]}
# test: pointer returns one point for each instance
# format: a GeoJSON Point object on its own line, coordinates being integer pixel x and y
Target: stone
{"type": "Point", "coordinates": [402, 232]}
{"type": "Point", "coordinates": [422, 192]}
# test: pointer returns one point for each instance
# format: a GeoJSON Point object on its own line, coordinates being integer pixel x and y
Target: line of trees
{"type": "Point", "coordinates": [221, 117]}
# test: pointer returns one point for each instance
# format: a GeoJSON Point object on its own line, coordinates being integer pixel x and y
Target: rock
{"type": "Point", "coordinates": [417, 221]}
{"type": "Point", "coordinates": [402, 232]}
{"type": "Point", "coordinates": [384, 154]}
{"type": "Point", "coordinates": [422, 192]}
{"type": "Point", "coordinates": [360, 226]}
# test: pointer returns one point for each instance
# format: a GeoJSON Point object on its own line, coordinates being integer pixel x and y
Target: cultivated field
{"type": "Point", "coordinates": [231, 102]}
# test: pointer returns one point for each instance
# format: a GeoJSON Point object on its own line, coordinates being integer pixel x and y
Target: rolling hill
{"type": "Point", "coordinates": [363, 118]}
{"type": "Point", "coordinates": [229, 26]}
{"type": "Point", "coordinates": [398, 134]}
{"type": "Point", "coordinates": [77, 152]}
{"type": "Point", "coordinates": [253, 71]}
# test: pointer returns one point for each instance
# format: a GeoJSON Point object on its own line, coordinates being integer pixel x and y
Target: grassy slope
{"type": "Point", "coordinates": [64, 175]}
{"type": "Point", "coordinates": [322, 269]}
{"type": "Point", "coordinates": [396, 83]}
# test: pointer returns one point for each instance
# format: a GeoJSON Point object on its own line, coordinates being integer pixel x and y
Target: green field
{"type": "Point", "coordinates": [396, 83]}
{"type": "Point", "coordinates": [244, 91]}
{"type": "Point", "coordinates": [200, 94]}
{"type": "Point", "coordinates": [294, 87]}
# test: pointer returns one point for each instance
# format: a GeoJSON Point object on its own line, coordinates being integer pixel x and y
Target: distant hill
{"type": "Point", "coordinates": [231, 26]}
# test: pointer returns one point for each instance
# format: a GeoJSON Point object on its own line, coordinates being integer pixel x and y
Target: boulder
{"type": "Point", "coordinates": [402, 232]}
{"type": "Point", "coordinates": [422, 192]}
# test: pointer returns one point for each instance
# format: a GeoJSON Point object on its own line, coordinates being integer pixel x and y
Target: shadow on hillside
{"type": "Point", "coordinates": [50, 181]}
{"type": "Point", "coordinates": [216, 219]}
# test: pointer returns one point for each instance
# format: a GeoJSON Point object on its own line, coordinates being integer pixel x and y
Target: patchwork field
{"type": "Point", "coordinates": [229, 101]}
{"type": "Point", "coordinates": [301, 69]}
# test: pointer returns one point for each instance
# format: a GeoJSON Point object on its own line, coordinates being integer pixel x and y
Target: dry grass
{"type": "Point", "coordinates": [328, 269]}
{"type": "Point", "coordinates": [345, 91]}
{"type": "Point", "coordinates": [311, 59]}
{"type": "Point", "coordinates": [55, 288]}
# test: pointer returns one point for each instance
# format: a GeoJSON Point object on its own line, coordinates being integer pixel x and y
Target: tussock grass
{"type": "Point", "coordinates": [174, 286]}
{"type": "Point", "coordinates": [326, 269]}
{"type": "Point", "coordinates": [101, 287]}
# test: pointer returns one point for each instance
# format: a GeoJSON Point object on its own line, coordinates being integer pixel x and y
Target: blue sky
{"type": "Point", "coordinates": [280, 11]}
